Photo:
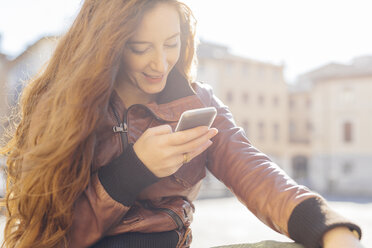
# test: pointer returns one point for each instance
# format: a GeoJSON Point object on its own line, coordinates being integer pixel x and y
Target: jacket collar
{"type": "Point", "coordinates": [176, 87]}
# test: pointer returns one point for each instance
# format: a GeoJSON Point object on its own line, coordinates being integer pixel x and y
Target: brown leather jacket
{"type": "Point", "coordinates": [167, 204]}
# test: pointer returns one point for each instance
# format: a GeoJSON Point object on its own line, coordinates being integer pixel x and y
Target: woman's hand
{"type": "Point", "coordinates": [340, 237]}
{"type": "Point", "coordinates": [162, 151]}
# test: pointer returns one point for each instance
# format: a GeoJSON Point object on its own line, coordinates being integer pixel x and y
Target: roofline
{"type": "Point", "coordinates": [361, 75]}
{"type": "Point", "coordinates": [236, 58]}
{"type": "Point", "coordinates": [20, 56]}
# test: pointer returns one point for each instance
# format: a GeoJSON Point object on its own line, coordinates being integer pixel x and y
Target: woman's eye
{"type": "Point", "coordinates": [138, 51]}
{"type": "Point", "coordinates": [172, 45]}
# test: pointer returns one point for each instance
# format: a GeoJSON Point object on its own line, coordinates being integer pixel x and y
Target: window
{"type": "Point", "coordinates": [348, 132]}
{"type": "Point", "coordinates": [261, 72]}
{"type": "Point", "coordinates": [261, 100]}
{"type": "Point", "coordinates": [245, 97]}
{"type": "Point", "coordinates": [229, 97]}
{"type": "Point", "coordinates": [230, 67]}
{"type": "Point", "coordinates": [261, 130]}
{"type": "Point", "coordinates": [347, 168]}
{"type": "Point", "coordinates": [245, 69]}
{"type": "Point", "coordinates": [276, 75]}
{"type": "Point", "coordinates": [292, 128]}
{"type": "Point", "coordinates": [347, 95]}
{"type": "Point", "coordinates": [276, 131]}
{"type": "Point", "coordinates": [309, 126]}
{"type": "Point", "coordinates": [276, 101]}
{"type": "Point", "coordinates": [245, 126]}
{"type": "Point", "coordinates": [300, 169]}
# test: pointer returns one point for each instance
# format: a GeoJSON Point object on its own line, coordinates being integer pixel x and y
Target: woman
{"type": "Point", "coordinates": [94, 161]}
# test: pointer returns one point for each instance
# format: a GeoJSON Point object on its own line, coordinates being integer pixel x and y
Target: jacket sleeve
{"type": "Point", "coordinates": [264, 188]}
{"type": "Point", "coordinates": [108, 197]}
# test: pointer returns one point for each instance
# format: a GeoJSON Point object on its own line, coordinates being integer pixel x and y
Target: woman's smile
{"type": "Point", "coordinates": [153, 78]}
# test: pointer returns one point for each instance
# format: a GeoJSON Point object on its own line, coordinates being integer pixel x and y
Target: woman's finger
{"type": "Point", "coordinates": [182, 137]}
{"type": "Point", "coordinates": [185, 136]}
{"type": "Point", "coordinates": [197, 151]}
{"type": "Point", "coordinates": [196, 143]}
{"type": "Point", "coordinates": [159, 130]}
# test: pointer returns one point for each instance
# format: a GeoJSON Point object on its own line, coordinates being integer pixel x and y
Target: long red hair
{"type": "Point", "coordinates": [50, 154]}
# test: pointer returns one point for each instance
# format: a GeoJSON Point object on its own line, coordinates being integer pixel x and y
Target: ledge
{"type": "Point", "coordinates": [264, 244]}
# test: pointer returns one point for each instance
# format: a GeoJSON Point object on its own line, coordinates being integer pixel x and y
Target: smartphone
{"type": "Point", "coordinates": [196, 117]}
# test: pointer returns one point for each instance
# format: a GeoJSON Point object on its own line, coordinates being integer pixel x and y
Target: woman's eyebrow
{"type": "Point", "coordinates": [147, 42]}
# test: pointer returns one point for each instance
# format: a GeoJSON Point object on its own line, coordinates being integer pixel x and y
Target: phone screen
{"type": "Point", "coordinates": [196, 117]}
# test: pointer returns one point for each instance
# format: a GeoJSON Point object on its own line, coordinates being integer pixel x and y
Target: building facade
{"type": "Point", "coordinates": [339, 125]}
{"type": "Point", "coordinates": [3, 110]}
{"type": "Point", "coordinates": [300, 130]}
{"type": "Point", "coordinates": [4, 63]}
{"type": "Point", "coordinates": [15, 74]}
{"type": "Point", "coordinates": [27, 65]}
{"type": "Point", "coordinates": [255, 93]}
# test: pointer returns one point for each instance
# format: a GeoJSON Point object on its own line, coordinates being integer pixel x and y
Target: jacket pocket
{"type": "Point", "coordinates": [191, 173]}
{"type": "Point", "coordinates": [179, 209]}
{"type": "Point", "coordinates": [132, 217]}
{"type": "Point", "coordinates": [144, 220]}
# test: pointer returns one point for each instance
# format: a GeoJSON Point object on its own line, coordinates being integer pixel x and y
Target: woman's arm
{"type": "Point", "coordinates": [108, 197]}
{"type": "Point", "coordinates": [263, 186]}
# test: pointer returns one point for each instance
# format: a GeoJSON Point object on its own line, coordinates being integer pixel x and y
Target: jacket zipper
{"type": "Point", "coordinates": [168, 211]}
{"type": "Point", "coordinates": [174, 216]}
{"type": "Point", "coordinates": [122, 128]}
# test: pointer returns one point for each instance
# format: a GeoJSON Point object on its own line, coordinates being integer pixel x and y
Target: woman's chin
{"type": "Point", "coordinates": [152, 89]}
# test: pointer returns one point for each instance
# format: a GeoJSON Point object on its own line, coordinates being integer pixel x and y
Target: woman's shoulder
{"type": "Point", "coordinates": [201, 86]}
{"type": "Point", "coordinates": [203, 90]}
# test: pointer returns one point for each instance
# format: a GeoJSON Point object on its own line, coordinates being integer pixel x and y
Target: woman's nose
{"type": "Point", "coordinates": [159, 62]}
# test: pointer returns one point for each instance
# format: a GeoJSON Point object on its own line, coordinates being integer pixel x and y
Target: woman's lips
{"type": "Point", "coordinates": [153, 79]}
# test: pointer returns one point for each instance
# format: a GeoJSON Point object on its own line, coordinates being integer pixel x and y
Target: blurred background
{"type": "Point", "coordinates": [296, 74]}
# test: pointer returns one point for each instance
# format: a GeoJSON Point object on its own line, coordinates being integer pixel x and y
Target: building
{"type": "Point", "coordinates": [26, 65]}
{"type": "Point", "coordinates": [337, 132]}
{"type": "Point", "coordinates": [4, 63]}
{"type": "Point", "coordinates": [15, 74]}
{"type": "Point", "coordinates": [3, 110]}
{"type": "Point", "coordinates": [317, 130]}
{"type": "Point", "coordinates": [300, 131]}
{"type": "Point", "coordinates": [255, 93]}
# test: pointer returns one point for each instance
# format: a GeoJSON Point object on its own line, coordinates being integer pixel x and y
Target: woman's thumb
{"type": "Point", "coordinates": [162, 129]}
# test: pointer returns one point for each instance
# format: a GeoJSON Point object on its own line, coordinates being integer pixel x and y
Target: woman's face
{"type": "Point", "coordinates": [153, 50]}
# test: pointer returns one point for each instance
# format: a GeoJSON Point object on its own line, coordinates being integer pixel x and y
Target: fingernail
{"type": "Point", "coordinates": [214, 130]}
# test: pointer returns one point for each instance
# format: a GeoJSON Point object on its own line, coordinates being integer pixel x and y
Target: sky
{"type": "Point", "coordinates": [301, 34]}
